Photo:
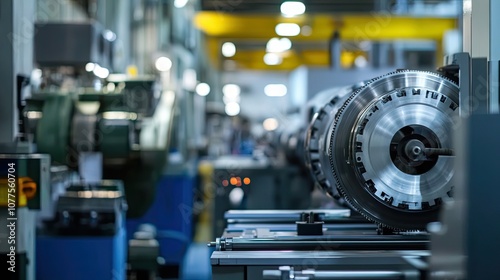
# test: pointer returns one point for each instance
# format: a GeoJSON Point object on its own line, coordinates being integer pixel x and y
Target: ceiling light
{"type": "Point", "coordinates": [89, 67]}
{"type": "Point", "coordinates": [231, 90]}
{"type": "Point", "coordinates": [110, 87]}
{"type": "Point", "coordinates": [270, 124]}
{"type": "Point", "coordinates": [34, 115]}
{"type": "Point", "coordinates": [101, 72]}
{"type": "Point", "coordinates": [278, 45]}
{"type": "Point", "coordinates": [292, 8]}
{"type": "Point", "coordinates": [236, 196]}
{"type": "Point", "coordinates": [109, 35]}
{"type": "Point", "coordinates": [119, 115]}
{"type": "Point", "coordinates": [275, 90]}
{"type": "Point", "coordinates": [228, 49]}
{"type": "Point", "coordinates": [272, 59]}
{"type": "Point", "coordinates": [180, 3]}
{"type": "Point", "coordinates": [287, 29]}
{"type": "Point", "coordinates": [467, 6]}
{"type": "Point", "coordinates": [202, 89]}
{"type": "Point", "coordinates": [232, 109]}
{"type": "Point", "coordinates": [37, 73]}
{"type": "Point", "coordinates": [163, 64]}
{"type": "Point", "coordinates": [360, 61]}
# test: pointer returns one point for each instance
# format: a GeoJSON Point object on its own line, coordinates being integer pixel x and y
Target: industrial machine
{"type": "Point", "coordinates": [81, 150]}
{"type": "Point", "coordinates": [386, 152]}
{"type": "Point", "coordinates": [386, 148]}
{"type": "Point", "coordinates": [382, 150]}
{"type": "Point", "coordinates": [411, 156]}
{"type": "Point", "coordinates": [113, 131]}
{"type": "Point", "coordinates": [120, 135]}
{"type": "Point", "coordinates": [242, 182]}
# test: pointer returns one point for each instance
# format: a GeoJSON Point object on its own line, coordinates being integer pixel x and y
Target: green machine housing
{"type": "Point", "coordinates": [130, 126]}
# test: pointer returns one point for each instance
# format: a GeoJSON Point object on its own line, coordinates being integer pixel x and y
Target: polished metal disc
{"type": "Point", "coordinates": [390, 149]}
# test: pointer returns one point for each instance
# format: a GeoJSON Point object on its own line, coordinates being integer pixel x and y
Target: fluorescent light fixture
{"type": "Point", "coordinates": [34, 115]}
{"type": "Point", "coordinates": [228, 49]}
{"type": "Point", "coordinates": [272, 59]}
{"type": "Point", "coordinates": [270, 124]}
{"type": "Point", "coordinates": [88, 108]}
{"type": "Point", "coordinates": [467, 6]}
{"type": "Point", "coordinates": [232, 109]}
{"type": "Point", "coordinates": [180, 3]}
{"type": "Point", "coordinates": [275, 90]}
{"type": "Point", "coordinates": [109, 35]}
{"type": "Point", "coordinates": [117, 78]}
{"type": "Point", "coordinates": [89, 67]}
{"type": "Point", "coordinates": [37, 73]}
{"type": "Point", "coordinates": [202, 89]}
{"type": "Point", "coordinates": [292, 8]}
{"type": "Point", "coordinates": [287, 29]}
{"type": "Point", "coordinates": [110, 87]}
{"type": "Point", "coordinates": [119, 115]}
{"type": "Point", "coordinates": [236, 196]}
{"type": "Point", "coordinates": [163, 64]}
{"type": "Point", "coordinates": [101, 72]}
{"type": "Point", "coordinates": [231, 90]}
{"type": "Point", "coordinates": [360, 61]}
{"type": "Point", "coordinates": [278, 45]}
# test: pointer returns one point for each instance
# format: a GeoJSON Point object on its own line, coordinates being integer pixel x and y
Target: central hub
{"type": "Point", "coordinates": [415, 150]}
{"type": "Point", "coordinates": [407, 149]}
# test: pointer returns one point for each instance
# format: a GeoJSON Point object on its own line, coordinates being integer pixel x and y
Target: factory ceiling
{"type": "Point", "coordinates": [250, 24]}
{"type": "Point", "coordinates": [271, 6]}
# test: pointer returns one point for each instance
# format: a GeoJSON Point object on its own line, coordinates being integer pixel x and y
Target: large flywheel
{"type": "Point", "coordinates": [386, 148]}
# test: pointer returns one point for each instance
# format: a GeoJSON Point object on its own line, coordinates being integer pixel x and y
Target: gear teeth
{"type": "Point", "coordinates": [338, 118]}
{"type": "Point", "coordinates": [311, 143]}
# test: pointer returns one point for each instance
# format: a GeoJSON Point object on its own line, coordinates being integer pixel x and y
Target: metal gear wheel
{"type": "Point", "coordinates": [386, 148]}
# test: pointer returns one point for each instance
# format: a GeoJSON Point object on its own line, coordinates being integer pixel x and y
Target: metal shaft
{"type": "Point", "coordinates": [333, 243]}
{"type": "Point", "coordinates": [429, 152]}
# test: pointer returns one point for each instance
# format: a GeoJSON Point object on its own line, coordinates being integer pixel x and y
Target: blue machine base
{"type": "Point", "coordinates": [81, 257]}
{"type": "Point", "coordinates": [197, 256]}
{"type": "Point", "coordinates": [171, 214]}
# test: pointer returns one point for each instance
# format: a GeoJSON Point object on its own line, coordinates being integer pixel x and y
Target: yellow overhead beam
{"type": "Point", "coordinates": [220, 27]}
{"type": "Point", "coordinates": [383, 26]}
{"type": "Point", "coordinates": [291, 59]}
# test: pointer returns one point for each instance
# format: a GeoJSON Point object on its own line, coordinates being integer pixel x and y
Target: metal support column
{"type": "Point", "coordinates": [16, 64]}
{"type": "Point", "coordinates": [459, 250]}
{"type": "Point", "coordinates": [494, 64]}
{"type": "Point", "coordinates": [16, 56]}
{"type": "Point", "coordinates": [480, 22]}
